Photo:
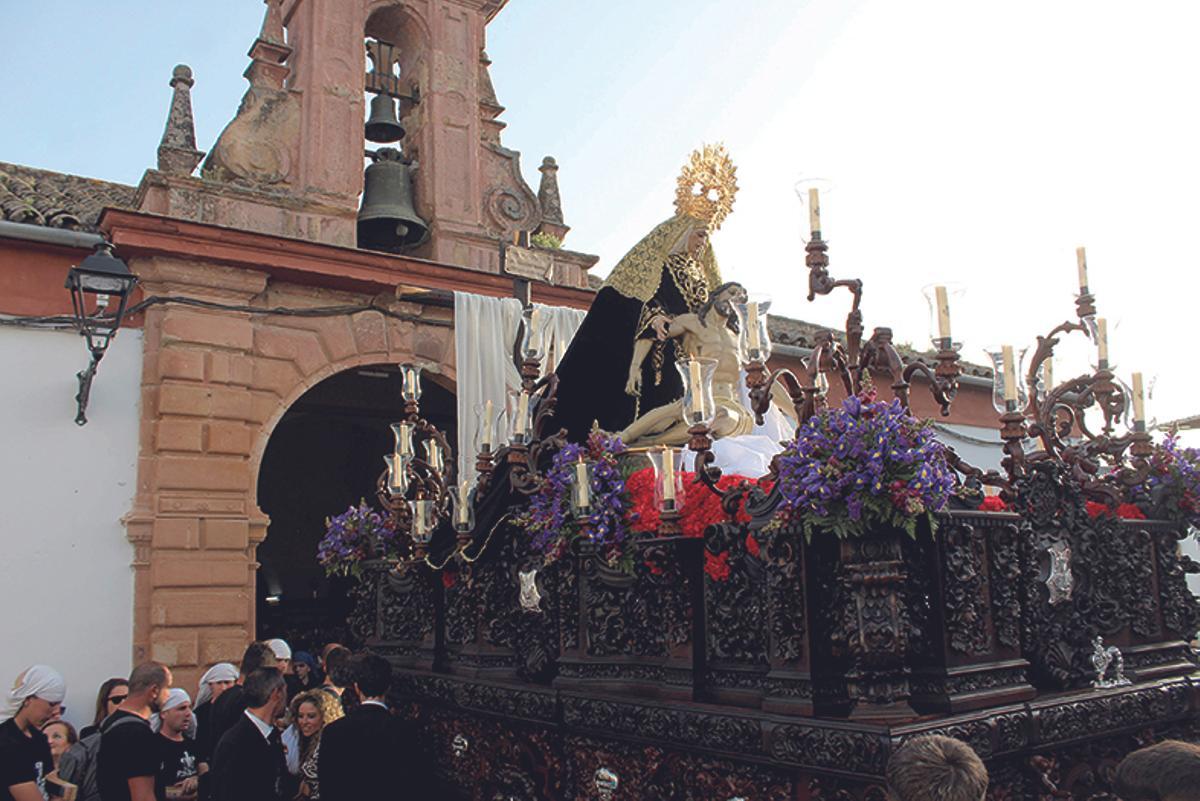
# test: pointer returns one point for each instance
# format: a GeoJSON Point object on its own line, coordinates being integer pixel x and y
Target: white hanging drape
{"type": "Point", "coordinates": [484, 331]}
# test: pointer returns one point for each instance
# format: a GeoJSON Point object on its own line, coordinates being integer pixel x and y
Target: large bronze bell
{"type": "Point", "coordinates": [383, 125]}
{"type": "Point", "coordinates": [387, 220]}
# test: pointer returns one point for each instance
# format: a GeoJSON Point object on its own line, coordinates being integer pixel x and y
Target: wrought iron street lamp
{"type": "Point", "coordinates": [95, 284]}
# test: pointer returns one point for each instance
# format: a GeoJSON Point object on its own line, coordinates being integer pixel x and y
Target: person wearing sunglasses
{"type": "Point", "coordinates": [112, 693]}
{"type": "Point", "coordinates": [25, 759]}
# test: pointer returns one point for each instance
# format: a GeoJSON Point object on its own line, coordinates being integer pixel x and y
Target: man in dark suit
{"type": "Point", "coordinates": [248, 763]}
{"type": "Point", "coordinates": [230, 706]}
{"type": "Point", "coordinates": [369, 754]}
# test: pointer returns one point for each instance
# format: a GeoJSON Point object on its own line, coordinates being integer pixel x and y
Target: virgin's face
{"type": "Point", "coordinates": [697, 239]}
{"type": "Point", "coordinates": [308, 719]}
{"type": "Point", "coordinates": [56, 733]}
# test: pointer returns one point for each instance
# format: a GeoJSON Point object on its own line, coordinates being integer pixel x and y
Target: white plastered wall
{"type": "Point", "coordinates": [66, 581]}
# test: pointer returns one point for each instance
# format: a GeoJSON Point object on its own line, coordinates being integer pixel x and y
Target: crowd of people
{"type": "Point", "coordinates": [279, 726]}
{"type": "Point", "coordinates": [288, 727]}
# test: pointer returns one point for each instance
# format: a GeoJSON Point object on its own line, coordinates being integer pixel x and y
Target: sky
{"type": "Point", "coordinates": [963, 141]}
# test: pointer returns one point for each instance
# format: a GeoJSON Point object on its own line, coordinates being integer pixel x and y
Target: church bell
{"type": "Point", "coordinates": [387, 220]}
{"type": "Point", "coordinates": [383, 124]}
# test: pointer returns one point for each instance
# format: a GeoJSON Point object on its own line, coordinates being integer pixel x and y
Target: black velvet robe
{"type": "Point", "coordinates": [593, 372]}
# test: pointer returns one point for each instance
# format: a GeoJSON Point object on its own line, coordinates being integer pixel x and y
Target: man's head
{"type": "Point", "coordinates": [372, 675]}
{"type": "Point", "coordinates": [176, 713]}
{"type": "Point", "coordinates": [258, 655]}
{"type": "Point", "coordinates": [282, 653]}
{"type": "Point", "coordinates": [722, 300]}
{"type": "Point", "coordinates": [149, 684]}
{"type": "Point", "coordinates": [337, 665]}
{"type": "Point", "coordinates": [36, 697]}
{"type": "Point", "coordinates": [265, 693]}
{"type": "Point", "coordinates": [936, 767]}
{"type": "Point", "coordinates": [1166, 771]}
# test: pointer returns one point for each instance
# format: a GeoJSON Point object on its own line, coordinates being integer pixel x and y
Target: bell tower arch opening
{"type": "Point", "coordinates": [324, 455]}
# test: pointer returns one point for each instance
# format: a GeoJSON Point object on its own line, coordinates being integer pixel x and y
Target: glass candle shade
{"type": "Point", "coordinates": [462, 499]}
{"type": "Point", "coordinates": [434, 456]}
{"type": "Point", "coordinates": [668, 478]}
{"type": "Point", "coordinates": [423, 520]}
{"type": "Point", "coordinates": [697, 375]}
{"type": "Point", "coordinates": [581, 488]}
{"type": "Point", "coordinates": [403, 433]}
{"type": "Point", "coordinates": [1008, 377]}
{"type": "Point", "coordinates": [520, 419]}
{"type": "Point", "coordinates": [410, 386]}
{"type": "Point", "coordinates": [490, 424]}
{"type": "Point", "coordinates": [942, 298]}
{"type": "Point", "coordinates": [397, 477]}
{"type": "Point", "coordinates": [533, 338]}
{"type": "Point", "coordinates": [754, 340]}
{"type": "Point", "coordinates": [812, 193]}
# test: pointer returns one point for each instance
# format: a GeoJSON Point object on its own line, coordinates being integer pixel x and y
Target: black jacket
{"type": "Point", "coordinates": [246, 767]}
{"type": "Point", "coordinates": [369, 754]}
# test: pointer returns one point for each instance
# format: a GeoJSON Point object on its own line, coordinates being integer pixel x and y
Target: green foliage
{"type": "Point", "coordinates": [547, 241]}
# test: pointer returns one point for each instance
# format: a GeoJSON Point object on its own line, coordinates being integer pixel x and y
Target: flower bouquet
{"type": "Point", "coordinates": [863, 464]}
{"type": "Point", "coordinates": [1172, 489]}
{"type": "Point", "coordinates": [356, 535]}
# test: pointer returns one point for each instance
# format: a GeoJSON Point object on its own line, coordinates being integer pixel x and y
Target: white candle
{"type": "Point", "coordinates": [533, 327]}
{"type": "Point", "coordinates": [395, 468]}
{"type": "Point", "coordinates": [403, 433]}
{"type": "Point", "coordinates": [464, 505]}
{"type": "Point", "coordinates": [583, 496]}
{"type": "Point", "coordinates": [489, 423]}
{"type": "Point", "coordinates": [943, 312]}
{"type": "Point", "coordinates": [1139, 400]}
{"type": "Point", "coordinates": [752, 325]}
{"type": "Point", "coordinates": [668, 474]}
{"type": "Point", "coordinates": [1010, 374]}
{"type": "Point", "coordinates": [697, 410]}
{"type": "Point", "coordinates": [1081, 259]}
{"type": "Point", "coordinates": [1048, 374]}
{"type": "Point", "coordinates": [410, 381]}
{"type": "Point", "coordinates": [814, 211]}
{"type": "Point", "coordinates": [433, 455]}
{"type": "Point", "coordinates": [522, 415]}
{"type": "Point", "coordinates": [1102, 340]}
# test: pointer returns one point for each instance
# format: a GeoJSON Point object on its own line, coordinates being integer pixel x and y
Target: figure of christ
{"type": "Point", "coordinates": [711, 333]}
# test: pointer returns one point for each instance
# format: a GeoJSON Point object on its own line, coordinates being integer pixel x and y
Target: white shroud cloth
{"type": "Point", "coordinates": [484, 331]}
{"type": "Point", "coordinates": [750, 454]}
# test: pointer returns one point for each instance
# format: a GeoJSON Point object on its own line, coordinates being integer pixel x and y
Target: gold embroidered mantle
{"type": "Point", "coordinates": [639, 273]}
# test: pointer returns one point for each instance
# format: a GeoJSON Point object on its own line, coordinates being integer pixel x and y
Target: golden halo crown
{"type": "Point", "coordinates": [706, 186]}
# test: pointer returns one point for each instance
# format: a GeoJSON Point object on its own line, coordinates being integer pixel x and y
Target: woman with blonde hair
{"type": "Point", "coordinates": [312, 711]}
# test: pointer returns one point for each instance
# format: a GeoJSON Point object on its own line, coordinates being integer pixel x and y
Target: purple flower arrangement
{"type": "Point", "coordinates": [1172, 489]}
{"type": "Point", "coordinates": [549, 521]}
{"type": "Point", "coordinates": [353, 536]}
{"type": "Point", "coordinates": [862, 464]}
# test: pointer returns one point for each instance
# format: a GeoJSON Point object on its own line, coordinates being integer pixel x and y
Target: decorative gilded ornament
{"type": "Point", "coordinates": [706, 186]}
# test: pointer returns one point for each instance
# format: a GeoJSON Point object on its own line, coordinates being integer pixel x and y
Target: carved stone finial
{"type": "Point", "coordinates": [177, 153]}
{"type": "Point", "coordinates": [550, 201]}
{"type": "Point", "coordinates": [272, 27]}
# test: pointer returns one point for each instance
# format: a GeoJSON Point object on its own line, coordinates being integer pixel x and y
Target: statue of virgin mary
{"type": "Point", "coordinates": [671, 271]}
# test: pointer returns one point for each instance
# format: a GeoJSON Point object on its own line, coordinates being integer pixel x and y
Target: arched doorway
{"type": "Point", "coordinates": [325, 454]}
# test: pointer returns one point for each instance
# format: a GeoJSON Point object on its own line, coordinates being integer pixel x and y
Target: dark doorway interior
{"type": "Point", "coordinates": [324, 455]}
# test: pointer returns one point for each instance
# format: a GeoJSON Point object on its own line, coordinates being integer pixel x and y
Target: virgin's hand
{"type": "Point", "coordinates": [659, 323]}
{"type": "Point", "coordinates": [634, 385]}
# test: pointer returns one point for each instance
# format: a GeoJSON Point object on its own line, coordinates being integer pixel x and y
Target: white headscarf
{"type": "Point", "coordinates": [222, 671]}
{"type": "Point", "coordinates": [44, 682]}
{"type": "Point", "coordinates": [280, 648]}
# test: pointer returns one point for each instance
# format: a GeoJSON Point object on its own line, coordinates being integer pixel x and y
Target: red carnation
{"type": "Point", "coordinates": [1095, 509]}
{"type": "Point", "coordinates": [448, 579]}
{"type": "Point", "coordinates": [1129, 511]}
{"type": "Point", "coordinates": [752, 547]}
{"type": "Point", "coordinates": [716, 566]}
{"type": "Point", "coordinates": [993, 503]}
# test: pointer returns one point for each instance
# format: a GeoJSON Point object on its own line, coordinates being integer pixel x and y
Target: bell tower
{"type": "Point", "coordinates": [439, 182]}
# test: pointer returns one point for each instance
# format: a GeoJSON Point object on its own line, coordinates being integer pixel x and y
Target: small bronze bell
{"type": "Point", "coordinates": [387, 220]}
{"type": "Point", "coordinates": [383, 124]}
